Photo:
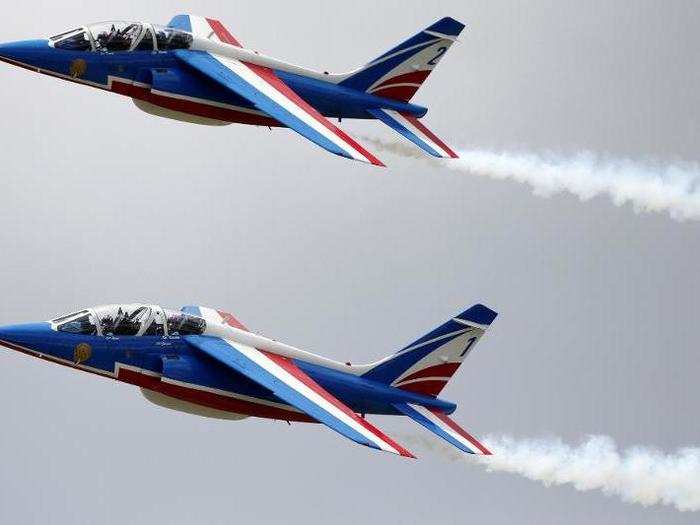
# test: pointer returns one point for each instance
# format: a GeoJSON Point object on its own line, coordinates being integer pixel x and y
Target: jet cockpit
{"type": "Point", "coordinates": [121, 36]}
{"type": "Point", "coordinates": [129, 320]}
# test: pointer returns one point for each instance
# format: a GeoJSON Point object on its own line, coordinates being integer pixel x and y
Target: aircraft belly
{"type": "Point", "coordinates": [164, 112]}
{"type": "Point", "coordinates": [229, 401]}
{"type": "Point", "coordinates": [179, 405]}
{"type": "Point", "coordinates": [176, 107]}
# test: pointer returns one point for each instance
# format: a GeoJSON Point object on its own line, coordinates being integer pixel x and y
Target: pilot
{"type": "Point", "coordinates": [104, 38]}
{"type": "Point", "coordinates": [115, 39]}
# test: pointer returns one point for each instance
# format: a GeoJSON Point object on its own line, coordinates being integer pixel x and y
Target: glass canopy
{"type": "Point", "coordinates": [122, 36]}
{"type": "Point", "coordinates": [130, 320]}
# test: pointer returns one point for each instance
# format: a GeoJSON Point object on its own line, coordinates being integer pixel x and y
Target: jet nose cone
{"type": "Point", "coordinates": [25, 53]}
{"type": "Point", "coordinates": [23, 334]}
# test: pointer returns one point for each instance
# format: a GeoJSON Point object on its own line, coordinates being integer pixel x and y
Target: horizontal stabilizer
{"type": "Point", "coordinates": [440, 424]}
{"type": "Point", "coordinates": [415, 131]}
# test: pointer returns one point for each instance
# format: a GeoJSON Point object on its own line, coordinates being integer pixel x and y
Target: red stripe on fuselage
{"type": "Point", "coordinates": [192, 108]}
{"type": "Point", "coordinates": [237, 406]}
{"type": "Point", "coordinates": [294, 370]}
{"type": "Point", "coordinates": [417, 123]}
{"type": "Point", "coordinates": [466, 435]}
{"type": "Point", "coordinates": [400, 93]}
{"type": "Point", "coordinates": [415, 77]}
{"type": "Point", "coordinates": [428, 387]}
{"type": "Point", "coordinates": [444, 370]}
{"type": "Point", "coordinates": [211, 400]}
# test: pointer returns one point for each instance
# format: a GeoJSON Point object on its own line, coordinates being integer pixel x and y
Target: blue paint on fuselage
{"type": "Point", "coordinates": [166, 73]}
{"type": "Point", "coordinates": [333, 100]}
{"type": "Point", "coordinates": [173, 358]}
{"type": "Point", "coordinates": [27, 51]}
{"type": "Point", "coordinates": [365, 395]}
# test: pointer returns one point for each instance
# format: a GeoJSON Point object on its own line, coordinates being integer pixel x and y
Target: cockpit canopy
{"type": "Point", "coordinates": [120, 36]}
{"type": "Point", "coordinates": [130, 320]}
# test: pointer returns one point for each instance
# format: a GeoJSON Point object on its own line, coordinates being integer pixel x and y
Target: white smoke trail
{"type": "Point", "coordinates": [652, 187]}
{"type": "Point", "coordinates": [637, 475]}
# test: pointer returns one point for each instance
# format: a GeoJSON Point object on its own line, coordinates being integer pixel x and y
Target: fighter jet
{"type": "Point", "coordinates": [195, 70]}
{"type": "Point", "coordinates": [205, 362]}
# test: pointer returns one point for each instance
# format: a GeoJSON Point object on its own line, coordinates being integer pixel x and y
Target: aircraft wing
{"type": "Point", "coordinates": [288, 382]}
{"type": "Point", "coordinates": [266, 91]}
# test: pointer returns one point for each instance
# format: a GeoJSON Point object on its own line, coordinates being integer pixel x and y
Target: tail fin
{"type": "Point", "coordinates": [426, 366]}
{"type": "Point", "coordinates": [400, 72]}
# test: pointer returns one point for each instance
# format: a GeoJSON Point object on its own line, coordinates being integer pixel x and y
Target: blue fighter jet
{"type": "Point", "coordinates": [205, 362]}
{"type": "Point", "coordinates": [194, 70]}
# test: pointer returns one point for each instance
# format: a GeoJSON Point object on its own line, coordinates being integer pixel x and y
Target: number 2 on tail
{"type": "Point", "coordinates": [469, 346]}
{"type": "Point", "coordinates": [437, 58]}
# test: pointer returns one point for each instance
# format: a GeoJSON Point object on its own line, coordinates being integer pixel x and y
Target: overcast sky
{"type": "Point", "coordinates": [598, 328]}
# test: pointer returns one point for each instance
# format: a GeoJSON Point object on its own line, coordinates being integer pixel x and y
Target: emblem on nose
{"type": "Point", "coordinates": [78, 68]}
{"type": "Point", "coordinates": [82, 353]}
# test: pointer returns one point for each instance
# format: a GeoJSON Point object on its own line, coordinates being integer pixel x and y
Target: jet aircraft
{"type": "Point", "coordinates": [195, 70]}
{"type": "Point", "coordinates": [203, 361]}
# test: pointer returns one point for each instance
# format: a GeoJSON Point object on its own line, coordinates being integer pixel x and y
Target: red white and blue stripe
{"type": "Point", "coordinates": [288, 382]}
{"type": "Point", "coordinates": [415, 131]}
{"type": "Point", "coordinates": [441, 425]}
{"type": "Point", "coordinates": [262, 87]}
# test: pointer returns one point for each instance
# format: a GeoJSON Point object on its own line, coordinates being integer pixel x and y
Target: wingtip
{"type": "Point", "coordinates": [445, 156]}
{"type": "Point", "coordinates": [366, 158]}
{"type": "Point", "coordinates": [404, 453]}
{"type": "Point", "coordinates": [374, 161]}
{"type": "Point", "coordinates": [389, 445]}
{"type": "Point", "coordinates": [481, 450]}
{"type": "Point", "coordinates": [371, 158]}
{"type": "Point", "coordinates": [478, 447]}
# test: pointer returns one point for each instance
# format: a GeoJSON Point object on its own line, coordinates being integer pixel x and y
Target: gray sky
{"type": "Point", "coordinates": [597, 334]}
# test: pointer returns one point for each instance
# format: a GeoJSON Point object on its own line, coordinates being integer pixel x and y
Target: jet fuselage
{"type": "Point", "coordinates": [161, 84]}
{"type": "Point", "coordinates": [163, 363]}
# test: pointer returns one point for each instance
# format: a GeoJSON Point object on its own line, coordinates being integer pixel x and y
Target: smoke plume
{"type": "Point", "coordinates": [638, 475]}
{"type": "Point", "coordinates": [651, 187]}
